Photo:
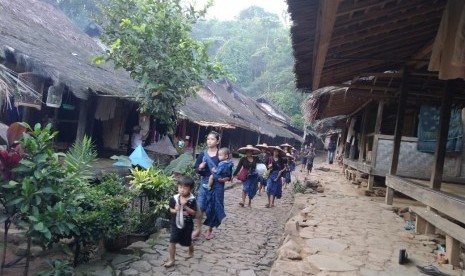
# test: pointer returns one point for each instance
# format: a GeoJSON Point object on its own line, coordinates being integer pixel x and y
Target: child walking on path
{"type": "Point", "coordinates": [183, 208]}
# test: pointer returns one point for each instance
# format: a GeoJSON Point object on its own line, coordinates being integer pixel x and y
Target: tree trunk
{"type": "Point", "coordinates": [28, 256]}
{"type": "Point", "coordinates": [5, 239]}
{"type": "Point", "coordinates": [76, 253]}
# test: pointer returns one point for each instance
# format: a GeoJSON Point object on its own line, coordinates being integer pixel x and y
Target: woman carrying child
{"type": "Point", "coordinates": [248, 163]}
{"type": "Point", "coordinates": [210, 200]}
{"type": "Point", "coordinates": [183, 208]}
{"type": "Point", "coordinates": [274, 183]}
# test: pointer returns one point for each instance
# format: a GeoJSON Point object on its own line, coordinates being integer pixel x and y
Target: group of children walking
{"type": "Point", "coordinates": [215, 168]}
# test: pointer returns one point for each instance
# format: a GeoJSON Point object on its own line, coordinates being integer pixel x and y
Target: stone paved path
{"type": "Point", "coordinates": [338, 232]}
{"type": "Point", "coordinates": [343, 233]}
{"type": "Point", "coordinates": [245, 244]}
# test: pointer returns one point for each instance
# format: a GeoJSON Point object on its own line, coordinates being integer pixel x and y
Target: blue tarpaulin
{"type": "Point", "coordinates": [140, 157]}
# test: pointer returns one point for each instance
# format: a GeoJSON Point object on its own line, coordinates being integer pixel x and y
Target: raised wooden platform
{"type": "Point", "coordinates": [446, 203]}
{"type": "Point", "coordinates": [455, 234]}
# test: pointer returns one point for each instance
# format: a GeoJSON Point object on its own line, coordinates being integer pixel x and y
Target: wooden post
{"type": "Point", "coordinates": [440, 152]}
{"type": "Point", "coordinates": [196, 141]}
{"type": "Point", "coordinates": [363, 134]}
{"type": "Point", "coordinates": [26, 112]}
{"type": "Point", "coordinates": [389, 196]}
{"type": "Point", "coordinates": [420, 225]}
{"type": "Point", "coordinates": [82, 121]}
{"type": "Point", "coordinates": [452, 250]}
{"type": "Point", "coordinates": [398, 134]}
{"type": "Point", "coordinates": [399, 124]}
{"type": "Point", "coordinates": [374, 150]}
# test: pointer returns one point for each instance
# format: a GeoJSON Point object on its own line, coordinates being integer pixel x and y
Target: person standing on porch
{"type": "Point", "coordinates": [215, 194]}
{"type": "Point", "coordinates": [249, 163]}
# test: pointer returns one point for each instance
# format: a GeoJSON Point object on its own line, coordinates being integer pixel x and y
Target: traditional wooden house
{"type": "Point", "coordinates": [222, 106]}
{"type": "Point", "coordinates": [400, 65]}
{"type": "Point", "coordinates": [41, 47]}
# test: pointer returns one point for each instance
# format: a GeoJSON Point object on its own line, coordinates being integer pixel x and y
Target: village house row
{"type": "Point", "coordinates": [40, 47]}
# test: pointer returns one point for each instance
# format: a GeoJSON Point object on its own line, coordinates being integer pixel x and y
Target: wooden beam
{"type": "Point", "coordinates": [399, 123]}
{"type": "Point", "coordinates": [383, 26]}
{"type": "Point", "coordinates": [424, 52]}
{"type": "Point", "coordinates": [377, 15]}
{"type": "Point", "coordinates": [82, 121]}
{"type": "Point", "coordinates": [350, 7]}
{"type": "Point", "coordinates": [325, 23]}
{"type": "Point", "coordinates": [443, 202]}
{"type": "Point", "coordinates": [360, 108]}
{"type": "Point", "coordinates": [449, 228]}
{"type": "Point", "coordinates": [382, 46]}
{"type": "Point", "coordinates": [363, 137]}
{"type": "Point", "coordinates": [379, 119]}
{"type": "Point", "coordinates": [441, 140]}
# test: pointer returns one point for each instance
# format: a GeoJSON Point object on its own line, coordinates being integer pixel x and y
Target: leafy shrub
{"type": "Point", "coordinates": [156, 185]}
{"type": "Point", "coordinates": [298, 187]}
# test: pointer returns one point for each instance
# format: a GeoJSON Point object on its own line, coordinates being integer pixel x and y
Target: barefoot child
{"type": "Point", "coordinates": [223, 169]}
{"type": "Point", "coordinates": [183, 208]}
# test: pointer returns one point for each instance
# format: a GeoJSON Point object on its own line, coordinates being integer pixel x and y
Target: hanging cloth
{"type": "Point", "coordinates": [428, 127]}
{"type": "Point", "coordinates": [448, 53]}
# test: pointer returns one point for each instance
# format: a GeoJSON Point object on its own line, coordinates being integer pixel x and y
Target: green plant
{"type": "Point", "coordinates": [34, 196]}
{"type": "Point", "coordinates": [298, 187]}
{"type": "Point", "coordinates": [57, 268]}
{"type": "Point", "coordinates": [156, 185]}
{"type": "Point", "coordinates": [80, 156]}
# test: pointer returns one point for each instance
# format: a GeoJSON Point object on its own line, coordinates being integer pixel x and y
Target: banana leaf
{"type": "Point", "coordinates": [179, 164]}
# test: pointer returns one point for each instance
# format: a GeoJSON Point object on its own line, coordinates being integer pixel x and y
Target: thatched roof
{"type": "Point", "coordinates": [43, 40]}
{"type": "Point", "coordinates": [333, 40]}
{"type": "Point", "coordinates": [222, 104]}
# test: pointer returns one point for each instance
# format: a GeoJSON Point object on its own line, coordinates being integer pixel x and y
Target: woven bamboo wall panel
{"type": "Point", "coordinates": [412, 163]}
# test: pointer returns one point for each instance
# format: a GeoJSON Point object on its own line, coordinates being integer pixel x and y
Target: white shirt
{"type": "Point", "coordinates": [136, 140]}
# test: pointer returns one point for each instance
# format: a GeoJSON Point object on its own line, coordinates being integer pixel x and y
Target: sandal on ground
{"type": "Point", "coordinates": [267, 205]}
{"type": "Point", "coordinates": [241, 204]}
{"type": "Point", "coordinates": [431, 270]}
{"type": "Point", "coordinates": [209, 236]}
{"type": "Point", "coordinates": [195, 234]}
{"type": "Point", "coordinates": [169, 264]}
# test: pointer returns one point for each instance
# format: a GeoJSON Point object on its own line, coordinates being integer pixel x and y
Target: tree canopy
{"type": "Point", "coordinates": [256, 49]}
{"type": "Point", "coordinates": [152, 40]}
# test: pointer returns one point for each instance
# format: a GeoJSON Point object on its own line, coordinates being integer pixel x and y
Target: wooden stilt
{"type": "Point", "coordinates": [452, 250]}
{"type": "Point", "coordinates": [399, 124]}
{"type": "Point", "coordinates": [440, 152]}
{"type": "Point", "coordinates": [389, 196]}
{"type": "Point", "coordinates": [371, 181]}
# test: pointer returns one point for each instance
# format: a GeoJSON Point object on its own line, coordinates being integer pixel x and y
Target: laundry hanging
{"type": "Point", "coordinates": [428, 127]}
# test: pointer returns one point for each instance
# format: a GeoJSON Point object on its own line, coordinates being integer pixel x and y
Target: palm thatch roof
{"type": "Point", "coordinates": [221, 104]}
{"type": "Point", "coordinates": [332, 40]}
{"type": "Point", "coordinates": [41, 39]}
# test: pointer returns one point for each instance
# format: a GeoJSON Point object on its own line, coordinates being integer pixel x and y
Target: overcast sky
{"type": "Point", "coordinates": [228, 9]}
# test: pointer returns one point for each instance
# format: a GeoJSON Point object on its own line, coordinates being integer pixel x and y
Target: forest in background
{"type": "Point", "coordinates": [255, 49]}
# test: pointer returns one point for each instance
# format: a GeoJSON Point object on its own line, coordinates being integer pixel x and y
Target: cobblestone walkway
{"type": "Point", "coordinates": [343, 233]}
{"type": "Point", "coordinates": [245, 244]}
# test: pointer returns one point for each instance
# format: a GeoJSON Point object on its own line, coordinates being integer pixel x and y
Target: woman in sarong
{"type": "Point", "coordinates": [274, 183]}
{"type": "Point", "coordinates": [211, 202]}
{"type": "Point", "coordinates": [248, 163]}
